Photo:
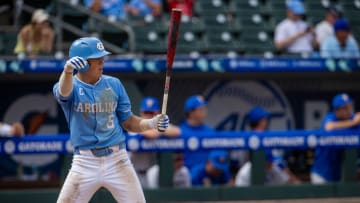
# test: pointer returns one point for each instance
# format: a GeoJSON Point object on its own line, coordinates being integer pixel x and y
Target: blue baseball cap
{"type": "Point", "coordinates": [219, 159]}
{"type": "Point", "coordinates": [194, 102]}
{"type": "Point", "coordinates": [341, 24]}
{"type": "Point", "coordinates": [296, 6]}
{"type": "Point", "coordinates": [149, 104]}
{"type": "Point", "coordinates": [341, 100]}
{"type": "Point", "coordinates": [257, 113]}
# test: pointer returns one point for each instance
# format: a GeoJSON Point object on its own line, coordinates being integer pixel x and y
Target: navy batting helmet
{"type": "Point", "coordinates": [87, 48]}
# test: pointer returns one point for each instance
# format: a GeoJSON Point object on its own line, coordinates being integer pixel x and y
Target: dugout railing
{"type": "Point", "coordinates": [348, 187]}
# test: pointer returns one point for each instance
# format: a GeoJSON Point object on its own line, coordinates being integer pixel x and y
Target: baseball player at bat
{"type": "Point", "coordinates": [98, 110]}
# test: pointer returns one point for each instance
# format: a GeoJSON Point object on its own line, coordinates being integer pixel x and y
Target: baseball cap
{"type": "Point", "coordinates": [341, 24]}
{"type": "Point", "coordinates": [39, 16]}
{"type": "Point", "coordinates": [257, 113]}
{"type": "Point", "coordinates": [149, 104]}
{"type": "Point", "coordinates": [341, 100]}
{"type": "Point", "coordinates": [194, 102]}
{"type": "Point", "coordinates": [219, 160]}
{"type": "Point", "coordinates": [296, 6]}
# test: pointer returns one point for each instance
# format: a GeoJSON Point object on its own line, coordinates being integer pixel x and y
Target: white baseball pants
{"type": "Point", "coordinates": [89, 173]}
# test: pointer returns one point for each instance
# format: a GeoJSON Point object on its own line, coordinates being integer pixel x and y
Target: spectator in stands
{"type": "Point", "coordinates": [181, 176]}
{"type": "Point", "coordinates": [113, 9]}
{"type": "Point", "coordinates": [196, 111]}
{"type": "Point", "coordinates": [328, 161]}
{"type": "Point", "coordinates": [10, 130]}
{"type": "Point", "coordinates": [142, 161]}
{"type": "Point", "coordinates": [144, 7]}
{"type": "Point", "coordinates": [276, 171]}
{"type": "Point", "coordinates": [342, 44]}
{"type": "Point", "coordinates": [37, 37]}
{"type": "Point", "coordinates": [215, 171]}
{"type": "Point", "coordinates": [185, 5]}
{"type": "Point", "coordinates": [325, 28]}
{"type": "Point", "coordinates": [293, 34]}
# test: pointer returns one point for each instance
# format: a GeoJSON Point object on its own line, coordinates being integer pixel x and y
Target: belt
{"type": "Point", "coordinates": [103, 151]}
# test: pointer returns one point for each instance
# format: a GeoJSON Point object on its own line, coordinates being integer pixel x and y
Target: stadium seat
{"type": "Point", "coordinates": [255, 6]}
{"type": "Point", "coordinates": [277, 10]}
{"type": "Point", "coordinates": [256, 40]}
{"type": "Point", "coordinates": [316, 5]}
{"type": "Point", "coordinates": [149, 41]}
{"type": "Point", "coordinates": [195, 25]}
{"type": "Point", "coordinates": [315, 17]}
{"type": "Point", "coordinates": [149, 22]}
{"type": "Point", "coordinates": [205, 6]}
{"type": "Point", "coordinates": [251, 19]}
{"type": "Point", "coordinates": [9, 42]}
{"type": "Point", "coordinates": [74, 17]}
{"type": "Point", "coordinates": [219, 20]}
{"type": "Point", "coordinates": [189, 42]}
{"type": "Point", "coordinates": [222, 41]}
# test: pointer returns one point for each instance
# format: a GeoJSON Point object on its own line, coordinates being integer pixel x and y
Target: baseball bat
{"type": "Point", "coordinates": [173, 34]}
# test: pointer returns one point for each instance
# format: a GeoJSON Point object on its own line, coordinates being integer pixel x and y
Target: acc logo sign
{"type": "Point", "coordinates": [100, 46]}
{"type": "Point", "coordinates": [229, 102]}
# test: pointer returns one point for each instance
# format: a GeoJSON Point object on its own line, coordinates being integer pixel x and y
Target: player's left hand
{"type": "Point", "coordinates": [161, 122]}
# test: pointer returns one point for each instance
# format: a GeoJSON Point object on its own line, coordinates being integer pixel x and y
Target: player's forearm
{"type": "Point", "coordinates": [66, 83]}
{"type": "Point", "coordinates": [136, 124]}
{"type": "Point", "coordinates": [283, 44]}
{"type": "Point", "coordinates": [339, 125]}
{"type": "Point", "coordinates": [172, 131]}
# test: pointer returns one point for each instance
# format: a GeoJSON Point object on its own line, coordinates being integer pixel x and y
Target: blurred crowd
{"type": "Point", "coordinates": [332, 37]}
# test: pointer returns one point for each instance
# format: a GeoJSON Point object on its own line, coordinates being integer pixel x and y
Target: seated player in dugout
{"type": "Point", "coordinates": [181, 174]}
{"type": "Point", "coordinates": [328, 161]}
{"type": "Point", "coordinates": [276, 170]}
{"type": "Point", "coordinates": [215, 171]}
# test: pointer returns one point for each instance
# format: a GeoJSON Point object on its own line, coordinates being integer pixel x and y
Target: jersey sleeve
{"type": "Point", "coordinates": [280, 33]}
{"type": "Point", "coordinates": [59, 98]}
{"type": "Point", "coordinates": [328, 118]}
{"type": "Point", "coordinates": [123, 109]}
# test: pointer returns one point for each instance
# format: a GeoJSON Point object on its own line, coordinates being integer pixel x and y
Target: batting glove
{"type": "Point", "coordinates": [160, 122]}
{"type": "Point", "coordinates": [77, 63]}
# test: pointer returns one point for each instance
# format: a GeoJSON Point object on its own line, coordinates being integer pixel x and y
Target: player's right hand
{"type": "Point", "coordinates": [160, 122]}
{"type": "Point", "coordinates": [77, 63]}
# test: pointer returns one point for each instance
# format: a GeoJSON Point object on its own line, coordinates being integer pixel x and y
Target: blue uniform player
{"type": "Point", "coordinates": [98, 110]}
{"type": "Point", "coordinates": [327, 163]}
{"type": "Point", "coordinates": [215, 171]}
{"type": "Point", "coordinates": [195, 110]}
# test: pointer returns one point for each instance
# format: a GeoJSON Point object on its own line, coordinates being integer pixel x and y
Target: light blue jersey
{"type": "Point", "coordinates": [94, 112]}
